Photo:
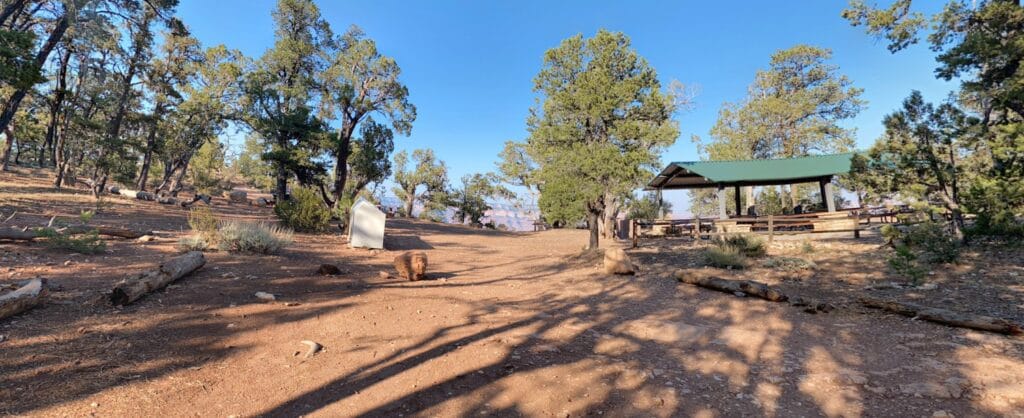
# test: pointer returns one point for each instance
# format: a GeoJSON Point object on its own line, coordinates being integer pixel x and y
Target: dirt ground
{"type": "Point", "coordinates": [509, 324]}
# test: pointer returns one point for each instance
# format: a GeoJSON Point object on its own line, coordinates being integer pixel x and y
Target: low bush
{"type": "Point", "coordinates": [918, 247]}
{"type": "Point", "coordinates": [193, 243]}
{"type": "Point", "coordinates": [807, 247]}
{"type": "Point", "coordinates": [789, 263]}
{"type": "Point", "coordinates": [304, 211]}
{"type": "Point", "coordinates": [202, 220]}
{"type": "Point", "coordinates": [725, 257]}
{"type": "Point", "coordinates": [253, 237]}
{"type": "Point", "coordinates": [88, 243]}
{"type": "Point", "coordinates": [747, 244]}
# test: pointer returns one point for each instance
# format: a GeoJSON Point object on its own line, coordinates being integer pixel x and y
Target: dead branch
{"type": "Point", "coordinates": [944, 316]}
{"type": "Point", "coordinates": [23, 299]}
{"type": "Point", "coordinates": [752, 288]}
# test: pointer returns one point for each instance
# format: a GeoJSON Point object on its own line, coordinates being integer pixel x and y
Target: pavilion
{"type": "Point", "coordinates": [741, 173]}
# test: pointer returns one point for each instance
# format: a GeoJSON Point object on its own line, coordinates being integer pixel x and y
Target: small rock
{"type": "Point", "coordinates": [328, 270]}
{"type": "Point", "coordinates": [262, 202]}
{"type": "Point", "coordinates": [146, 238]}
{"type": "Point", "coordinates": [3, 338]}
{"type": "Point", "coordinates": [314, 348]}
{"type": "Point", "coordinates": [94, 404]}
{"type": "Point", "coordinates": [238, 196]}
{"type": "Point", "coordinates": [928, 286]}
{"type": "Point", "coordinates": [942, 414]}
{"type": "Point", "coordinates": [383, 274]}
{"type": "Point", "coordinates": [266, 296]}
{"type": "Point", "coordinates": [740, 294]}
{"type": "Point", "coordinates": [68, 263]}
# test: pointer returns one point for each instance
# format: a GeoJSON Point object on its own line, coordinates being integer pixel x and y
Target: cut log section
{"type": "Point", "coordinates": [752, 288]}
{"type": "Point", "coordinates": [23, 299]}
{"type": "Point", "coordinates": [944, 316]}
{"type": "Point", "coordinates": [135, 194]}
{"type": "Point", "coordinates": [138, 285]}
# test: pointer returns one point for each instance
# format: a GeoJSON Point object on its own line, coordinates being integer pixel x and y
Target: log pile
{"type": "Point", "coordinates": [24, 298]}
{"type": "Point", "coordinates": [133, 287]}
{"type": "Point", "coordinates": [747, 287]}
{"type": "Point", "coordinates": [944, 316]}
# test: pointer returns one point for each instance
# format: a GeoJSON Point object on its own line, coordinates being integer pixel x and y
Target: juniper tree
{"type": "Point", "coordinates": [600, 126]}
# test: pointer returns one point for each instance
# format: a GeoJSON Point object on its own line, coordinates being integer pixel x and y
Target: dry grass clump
{"type": "Point", "coordinates": [253, 237]}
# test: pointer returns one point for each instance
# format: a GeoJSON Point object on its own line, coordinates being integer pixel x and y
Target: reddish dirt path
{"type": "Point", "coordinates": [511, 324]}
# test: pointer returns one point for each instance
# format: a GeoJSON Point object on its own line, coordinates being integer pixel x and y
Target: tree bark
{"type": "Point", "coordinates": [12, 104]}
{"type": "Point", "coordinates": [23, 299]}
{"type": "Point", "coordinates": [341, 160]}
{"type": "Point", "coordinates": [133, 287]}
{"type": "Point", "coordinates": [410, 201]}
{"type": "Point", "coordinates": [593, 219]}
{"type": "Point", "coordinates": [946, 317]}
{"type": "Point", "coordinates": [8, 144]}
{"type": "Point", "coordinates": [748, 287]}
{"type": "Point", "coordinates": [10, 10]}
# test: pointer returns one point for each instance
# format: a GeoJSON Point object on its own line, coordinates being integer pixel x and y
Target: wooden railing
{"type": "Point", "coordinates": [771, 225]}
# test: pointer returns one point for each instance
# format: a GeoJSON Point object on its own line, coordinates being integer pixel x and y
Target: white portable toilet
{"type": "Point", "coordinates": [367, 223]}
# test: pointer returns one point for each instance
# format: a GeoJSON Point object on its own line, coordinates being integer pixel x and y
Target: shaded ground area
{"type": "Point", "coordinates": [511, 324]}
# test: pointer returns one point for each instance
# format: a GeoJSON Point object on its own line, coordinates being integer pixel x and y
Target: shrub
{"type": "Point", "coordinates": [305, 211]}
{"type": "Point", "coordinates": [202, 220]}
{"type": "Point", "coordinates": [725, 257]}
{"type": "Point", "coordinates": [789, 263]}
{"type": "Point", "coordinates": [905, 263]}
{"type": "Point", "coordinates": [253, 237]}
{"type": "Point", "coordinates": [747, 244]}
{"type": "Point", "coordinates": [807, 248]}
{"type": "Point", "coordinates": [193, 243]}
{"type": "Point", "coordinates": [88, 243]}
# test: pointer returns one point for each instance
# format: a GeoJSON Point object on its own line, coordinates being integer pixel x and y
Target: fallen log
{"type": "Point", "coordinates": [28, 234]}
{"type": "Point", "coordinates": [133, 287]}
{"type": "Point", "coordinates": [752, 288]}
{"type": "Point", "coordinates": [17, 234]}
{"type": "Point", "coordinates": [136, 194]}
{"type": "Point", "coordinates": [944, 316]}
{"type": "Point", "coordinates": [23, 299]}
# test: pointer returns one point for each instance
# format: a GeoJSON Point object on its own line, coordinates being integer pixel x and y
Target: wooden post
{"type": "Point", "coordinates": [722, 214]}
{"type": "Point", "coordinates": [697, 237]}
{"type": "Point", "coordinates": [771, 228]}
{"type": "Point", "coordinates": [739, 205]}
{"type": "Point", "coordinates": [632, 228]}
{"type": "Point", "coordinates": [856, 224]}
{"type": "Point", "coordinates": [826, 194]}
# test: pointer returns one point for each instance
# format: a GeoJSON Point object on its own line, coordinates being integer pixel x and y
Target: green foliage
{"type": "Point", "coordinates": [470, 201]}
{"type": "Point", "coordinates": [647, 206]}
{"type": "Point", "coordinates": [428, 172]}
{"type": "Point", "coordinates": [807, 248]}
{"type": "Point", "coordinates": [305, 211]}
{"type": "Point", "coordinates": [253, 237]}
{"type": "Point", "coordinates": [920, 246]}
{"type": "Point", "coordinates": [919, 157]}
{"type": "Point", "coordinates": [206, 168]}
{"type": "Point", "coordinates": [749, 245]}
{"type": "Point", "coordinates": [17, 62]}
{"type": "Point", "coordinates": [725, 257]}
{"type": "Point", "coordinates": [193, 243]}
{"type": "Point", "coordinates": [904, 262]}
{"type": "Point", "coordinates": [601, 124]}
{"type": "Point", "coordinates": [789, 263]}
{"type": "Point", "coordinates": [794, 108]}
{"type": "Point", "coordinates": [256, 172]}
{"type": "Point", "coordinates": [88, 243]}
{"type": "Point", "coordinates": [204, 223]}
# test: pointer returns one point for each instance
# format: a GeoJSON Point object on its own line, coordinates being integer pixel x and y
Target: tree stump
{"type": "Point", "coordinates": [133, 287]}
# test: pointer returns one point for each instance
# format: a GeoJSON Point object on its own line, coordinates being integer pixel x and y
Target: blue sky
{"type": "Point", "coordinates": [469, 65]}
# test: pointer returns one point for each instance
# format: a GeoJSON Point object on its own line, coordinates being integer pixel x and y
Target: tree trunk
{"type": "Point", "coordinates": [12, 104]}
{"type": "Point", "coordinates": [611, 212]}
{"type": "Point", "coordinates": [410, 201]}
{"type": "Point", "coordinates": [23, 299]}
{"type": "Point", "coordinates": [10, 10]}
{"type": "Point", "coordinates": [175, 186]}
{"type": "Point", "coordinates": [748, 192]}
{"type": "Point", "coordinates": [138, 285]}
{"type": "Point", "coordinates": [593, 219]}
{"type": "Point", "coordinates": [55, 107]}
{"type": "Point", "coordinates": [281, 190]}
{"type": "Point", "coordinates": [341, 160]}
{"type": "Point", "coordinates": [8, 144]}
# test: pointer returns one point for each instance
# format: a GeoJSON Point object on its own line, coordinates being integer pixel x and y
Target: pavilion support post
{"type": "Point", "coordinates": [739, 205]}
{"type": "Point", "coordinates": [826, 194]}
{"type": "Point", "coordinates": [722, 214]}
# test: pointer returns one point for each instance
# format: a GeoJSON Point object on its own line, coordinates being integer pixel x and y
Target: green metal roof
{"type": "Point", "coordinates": [701, 174]}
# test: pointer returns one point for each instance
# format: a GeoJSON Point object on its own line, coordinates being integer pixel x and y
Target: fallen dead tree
{"type": "Point", "coordinates": [748, 287]}
{"type": "Point", "coordinates": [28, 234]}
{"type": "Point", "coordinates": [23, 298]}
{"type": "Point", "coordinates": [134, 194]}
{"type": "Point", "coordinates": [944, 316]}
{"type": "Point", "coordinates": [133, 287]}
